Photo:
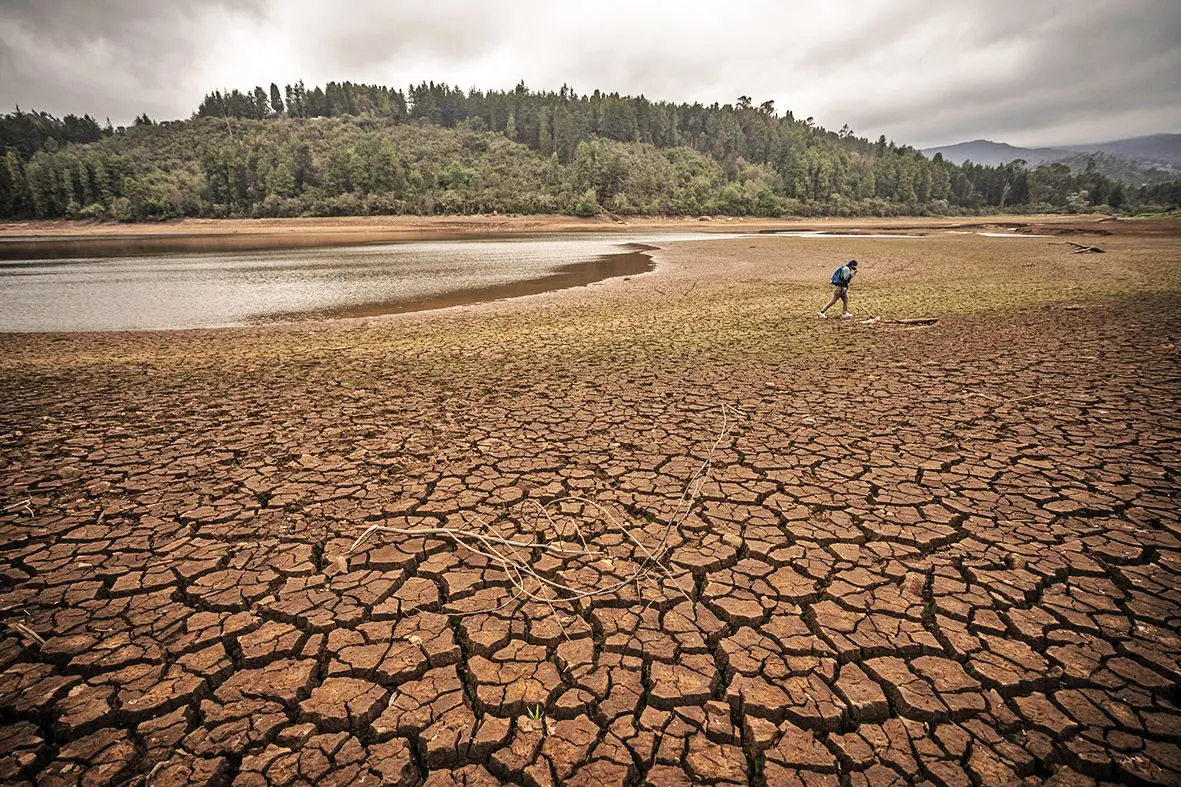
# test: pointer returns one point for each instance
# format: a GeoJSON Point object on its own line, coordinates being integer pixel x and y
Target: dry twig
{"type": "Point", "coordinates": [26, 632]}
{"type": "Point", "coordinates": [513, 555]}
{"type": "Point", "coordinates": [25, 505]}
{"type": "Point", "coordinates": [1080, 248]}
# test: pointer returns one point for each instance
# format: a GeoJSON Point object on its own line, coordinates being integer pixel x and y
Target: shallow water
{"type": "Point", "coordinates": [172, 291]}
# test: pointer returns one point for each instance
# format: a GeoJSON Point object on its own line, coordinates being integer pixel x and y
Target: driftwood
{"type": "Point", "coordinates": [904, 321]}
{"type": "Point", "coordinates": [1079, 248]}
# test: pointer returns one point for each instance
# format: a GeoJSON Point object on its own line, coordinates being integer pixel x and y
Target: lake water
{"type": "Point", "coordinates": [209, 290]}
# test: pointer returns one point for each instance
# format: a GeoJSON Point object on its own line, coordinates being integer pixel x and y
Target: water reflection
{"type": "Point", "coordinates": [217, 290]}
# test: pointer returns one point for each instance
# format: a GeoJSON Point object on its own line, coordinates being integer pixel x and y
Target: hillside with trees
{"type": "Point", "coordinates": [1133, 168]}
{"type": "Point", "coordinates": [350, 149]}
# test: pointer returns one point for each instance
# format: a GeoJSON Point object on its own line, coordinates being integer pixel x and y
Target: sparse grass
{"type": "Point", "coordinates": [1166, 215]}
{"type": "Point", "coordinates": [753, 298]}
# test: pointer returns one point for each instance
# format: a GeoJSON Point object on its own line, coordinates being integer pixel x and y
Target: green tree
{"type": "Point", "coordinates": [42, 185]}
{"type": "Point", "coordinates": [618, 119]}
{"type": "Point", "coordinates": [1115, 197]}
{"type": "Point", "coordinates": [338, 170]}
{"type": "Point", "coordinates": [545, 136]}
{"type": "Point", "coordinates": [377, 166]}
{"type": "Point", "coordinates": [261, 107]}
{"type": "Point", "coordinates": [587, 204]}
{"type": "Point", "coordinates": [20, 200]}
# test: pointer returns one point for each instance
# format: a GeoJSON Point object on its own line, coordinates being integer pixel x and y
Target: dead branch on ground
{"type": "Point", "coordinates": [514, 555]}
{"type": "Point", "coordinates": [1080, 248]}
{"type": "Point", "coordinates": [25, 505]}
{"type": "Point", "coordinates": [26, 632]}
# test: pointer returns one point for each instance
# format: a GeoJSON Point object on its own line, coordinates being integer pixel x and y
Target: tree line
{"type": "Point", "coordinates": [349, 148]}
{"type": "Point", "coordinates": [27, 132]}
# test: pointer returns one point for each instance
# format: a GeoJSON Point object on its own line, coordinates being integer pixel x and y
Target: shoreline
{"type": "Point", "coordinates": [623, 265]}
{"type": "Point", "coordinates": [629, 260]}
{"type": "Point", "coordinates": [49, 239]}
{"type": "Point", "coordinates": [840, 237]}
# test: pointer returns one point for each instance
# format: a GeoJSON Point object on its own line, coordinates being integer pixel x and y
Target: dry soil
{"type": "Point", "coordinates": [945, 553]}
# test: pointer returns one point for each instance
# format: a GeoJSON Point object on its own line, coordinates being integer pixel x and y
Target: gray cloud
{"type": "Point", "coordinates": [919, 71]}
{"type": "Point", "coordinates": [116, 57]}
{"type": "Point", "coordinates": [384, 31]}
{"type": "Point", "coordinates": [1085, 71]}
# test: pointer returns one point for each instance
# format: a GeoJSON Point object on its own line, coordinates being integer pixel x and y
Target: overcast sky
{"type": "Point", "coordinates": [922, 72]}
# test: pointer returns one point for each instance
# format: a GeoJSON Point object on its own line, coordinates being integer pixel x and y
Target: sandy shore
{"type": "Point", "coordinates": [57, 238]}
{"type": "Point", "coordinates": [950, 549]}
{"type": "Point", "coordinates": [452, 224]}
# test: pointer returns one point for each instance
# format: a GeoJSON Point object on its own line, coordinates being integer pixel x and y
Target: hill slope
{"type": "Point", "coordinates": [365, 149]}
{"type": "Point", "coordinates": [1135, 161]}
{"type": "Point", "coordinates": [992, 154]}
{"type": "Point", "coordinates": [1160, 151]}
{"type": "Point", "coordinates": [1156, 149]}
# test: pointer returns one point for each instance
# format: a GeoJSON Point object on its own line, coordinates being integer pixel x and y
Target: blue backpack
{"type": "Point", "coordinates": [836, 277]}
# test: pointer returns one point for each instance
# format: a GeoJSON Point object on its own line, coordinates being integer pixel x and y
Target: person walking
{"type": "Point", "coordinates": [842, 279]}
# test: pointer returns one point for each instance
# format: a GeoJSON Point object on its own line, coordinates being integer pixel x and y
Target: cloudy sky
{"type": "Point", "coordinates": [922, 72]}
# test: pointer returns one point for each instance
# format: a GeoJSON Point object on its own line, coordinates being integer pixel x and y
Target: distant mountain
{"type": "Point", "coordinates": [1125, 170]}
{"type": "Point", "coordinates": [1139, 160]}
{"type": "Point", "coordinates": [983, 151]}
{"type": "Point", "coordinates": [1156, 149]}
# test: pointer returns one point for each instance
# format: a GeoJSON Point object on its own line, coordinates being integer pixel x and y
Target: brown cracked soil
{"type": "Point", "coordinates": [946, 553]}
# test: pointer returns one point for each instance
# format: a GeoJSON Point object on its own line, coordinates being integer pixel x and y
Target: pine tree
{"type": "Point", "coordinates": [276, 100]}
{"type": "Point", "coordinates": [20, 200]}
{"type": "Point", "coordinates": [545, 136]}
{"type": "Point", "coordinates": [261, 105]}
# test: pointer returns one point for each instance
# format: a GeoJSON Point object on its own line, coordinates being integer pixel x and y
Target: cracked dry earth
{"type": "Point", "coordinates": [947, 554]}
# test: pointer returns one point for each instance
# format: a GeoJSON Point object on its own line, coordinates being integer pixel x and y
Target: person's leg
{"type": "Point", "coordinates": [845, 301]}
{"type": "Point", "coordinates": [837, 294]}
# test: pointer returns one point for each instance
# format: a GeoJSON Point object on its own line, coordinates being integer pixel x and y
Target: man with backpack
{"type": "Point", "coordinates": [842, 278]}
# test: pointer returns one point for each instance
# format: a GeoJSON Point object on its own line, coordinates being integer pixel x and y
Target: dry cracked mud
{"type": "Point", "coordinates": [946, 554]}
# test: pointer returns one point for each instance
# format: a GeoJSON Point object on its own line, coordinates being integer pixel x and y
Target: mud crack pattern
{"type": "Point", "coordinates": [948, 554]}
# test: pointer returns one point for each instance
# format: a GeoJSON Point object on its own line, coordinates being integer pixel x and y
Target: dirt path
{"type": "Point", "coordinates": [948, 552]}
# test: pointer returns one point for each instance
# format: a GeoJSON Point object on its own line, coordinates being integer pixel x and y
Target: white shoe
{"type": "Point", "coordinates": [846, 315]}
{"type": "Point", "coordinates": [822, 315]}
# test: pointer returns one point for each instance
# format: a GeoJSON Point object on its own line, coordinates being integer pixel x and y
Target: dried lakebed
{"type": "Point", "coordinates": [946, 554]}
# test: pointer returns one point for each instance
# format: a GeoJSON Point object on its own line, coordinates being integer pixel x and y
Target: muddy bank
{"type": "Point", "coordinates": [577, 274]}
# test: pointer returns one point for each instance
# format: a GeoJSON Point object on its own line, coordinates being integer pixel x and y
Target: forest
{"type": "Point", "coordinates": [352, 149]}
